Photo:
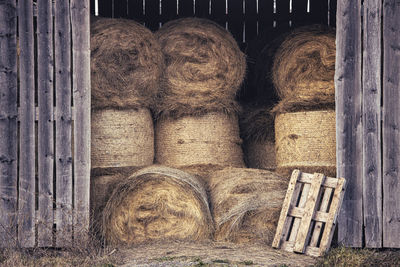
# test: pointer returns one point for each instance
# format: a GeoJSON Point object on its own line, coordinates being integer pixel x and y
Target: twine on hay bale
{"type": "Point", "coordinates": [126, 64]}
{"type": "Point", "coordinates": [204, 68]}
{"type": "Point", "coordinates": [209, 139]}
{"type": "Point", "coordinates": [157, 203]}
{"type": "Point", "coordinates": [257, 131]}
{"type": "Point", "coordinates": [246, 204]}
{"type": "Point", "coordinates": [122, 138]}
{"type": "Point", "coordinates": [306, 141]}
{"type": "Point", "coordinates": [306, 55]}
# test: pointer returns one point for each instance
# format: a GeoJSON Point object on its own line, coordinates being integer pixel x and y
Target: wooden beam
{"type": "Point", "coordinates": [391, 124]}
{"type": "Point", "coordinates": [348, 119]}
{"type": "Point", "coordinates": [26, 199]}
{"type": "Point", "coordinates": [81, 94]}
{"type": "Point", "coordinates": [371, 79]}
{"type": "Point", "coordinates": [8, 123]}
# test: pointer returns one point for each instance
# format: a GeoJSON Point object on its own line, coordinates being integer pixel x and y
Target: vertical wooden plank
{"type": "Point", "coordinates": [135, 10]}
{"type": "Point", "coordinates": [120, 8]}
{"type": "Point", "coordinates": [285, 208]}
{"type": "Point", "coordinates": [235, 20]}
{"type": "Point", "coordinates": [265, 15]}
{"type": "Point", "coordinates": [299, 10]}
{"type": "Point", "coordinates": [282, 14]}
{"type": "Point", "coordinates": [318, 12]}
{"type": "Point", "coordinates": [81, 88]}
{"type": "Point", "coordinates": [45, 138]}
{"type": "Point", "coordinates": [26, 199]}
{"type": "Point", "coordinates": [323, 208]}
{"type": "Point", "coordinates": [63, 125]}
{"type": "Point", "coordinates": [372, 171]}
{"type": "Point", "coordinates": [348, 119]}
{"type": "Point", "coordinates": [297, 221]}
{"type": "Point", "coordinates": [168, 10]}
{"type": "Point", "coordinates": [309, 210]}
{"type": "Point", "coordinates": [218, 12]}
{"type": "Point", "coordinates": [151, 14]}
{"type": "Point", "coordinates": [391, 124]}
{"type": "Point", "coordinates": [8, 123]}
{"type": "Point", "coordinates": [202, 8]}
{"type": "Point", "coordinates": [106, 8]}
{"type": "Point", "coordinates": [337, 201]}
{"type": "Point", "coordinates": [250, 18]}
{"type": "Point", "coordinates": [185, 8]}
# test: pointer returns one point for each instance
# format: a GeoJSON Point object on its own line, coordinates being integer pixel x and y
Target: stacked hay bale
{"type": "Point", "coordinates": [303, 75]}
{"type": "Point", "coordinates": [157, 203]}
{"type": "Point", "coordinates": [246, 204]}
{"type": "Point", "coordinates": [257, 132]}
{"type": "Point", "coordinates": [126, 66]}
{"type": "Point", "coordinates": [197, 120]}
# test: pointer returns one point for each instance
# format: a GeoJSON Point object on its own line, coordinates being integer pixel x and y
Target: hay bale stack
{"type": "Point", "coordinates": [126, 67]}
{"type": "Point", "coordinates": [157, 203]}
{"type": "Point", "coordinates": [306, 141]}
{"type": "Point", "coordinates": [307, 55]}
{"type": "Point", "coordinates": [257, 132]}
{"type": "Point", "coordinates": [246, 204]}
{"type": "Point", "coordinates": [212, 138]}
{"type": "Point", "coordinates": [126, 64]}
{"type": "Point", "coordinates": [204, 68]}
{"type": "Point", "coordinates": [122, 138]}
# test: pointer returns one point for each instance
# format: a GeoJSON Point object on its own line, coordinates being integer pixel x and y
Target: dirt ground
{"type": "Point", "coordinates": [209, 254]}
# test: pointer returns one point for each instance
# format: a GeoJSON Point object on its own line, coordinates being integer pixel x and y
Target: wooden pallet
{"type": "Point", "coordinates": [309, 213]}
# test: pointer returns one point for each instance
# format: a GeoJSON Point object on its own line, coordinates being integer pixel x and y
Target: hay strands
{"type": "Point", "coordinates": [309, 213]}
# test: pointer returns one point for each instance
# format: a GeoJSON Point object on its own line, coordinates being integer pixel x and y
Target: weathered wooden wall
{"type": "Point", "coordinates": [368, 146]}
{"type": "Point", "coordinates": [45, 115]}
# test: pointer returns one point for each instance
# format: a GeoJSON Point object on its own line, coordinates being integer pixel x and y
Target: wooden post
{"type": "Point", "coordinates": [26, 199]}
{"type": "Point", "coordinates": [63, 125]}
{"type": "Point", "coordinates": [8, 123]}
{"type": "Point", "coordinates": [81, 93]}
{"type": "Point", "coordinates": [371, 79]}
{"type": "Point", "coordinates": [348, 119]}
{"type": "Point", "coordinates": [391, 124]}
{"type": "Point", "coordinates": [45, 138]}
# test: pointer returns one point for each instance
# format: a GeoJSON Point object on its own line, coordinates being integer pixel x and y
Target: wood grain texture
{"type": "Point", "coordinates": [81, 93]}
{"type": "Point", "coordinates": [391, 124]}
{"type": "Point", "coordinates": [45, 131]}
{"type": "Point", "coordinates": [371, 99]}
{"type": "Point", "coordinates": [63, 119]}
{"type": "Point", "coordinates": [348, 119]}
{"type": "Point", "coordinates": [26, 199]}
{"type": "Point", "coordinates": [309, 210]}
{"type": "Point", "coordinates": [318, 225]}
{"type": "Point", "coordinates": [8, 123]}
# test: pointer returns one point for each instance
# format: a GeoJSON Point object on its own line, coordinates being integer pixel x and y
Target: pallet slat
{"type": "Point", "coordinates": [306, 215]}
{"type": "Point", "coordinates": [26, 199]}
{"type": "Point", "coordinates": [348, 119]}
{"type": "Point", "coordinates": [371, 99]}
{"type": "Point", "coordinates": [309, 210]}
{"type": "Point", "coordinates": [391, 124]}
{"type": "Point", "coordinates": [8, 123]}
{"type": "Point", "coordinates": [63, 119]}
{"type": "Point", "coordinates": [81, 94]}
{"type": "Point", "coordinates": [45, 132]}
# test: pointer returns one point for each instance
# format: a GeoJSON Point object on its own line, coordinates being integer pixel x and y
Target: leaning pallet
{"type": "Point", "coordinates": [309, 212]}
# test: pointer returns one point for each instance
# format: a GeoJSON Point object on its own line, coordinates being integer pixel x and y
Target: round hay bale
{"type": "Point", "coordinates": [306, 141]}
{"type": "Point", "coordinates": [307, 55]}
{"type": "Point", "coordinates": [121, 138]}
{"type": "Point", "coordinates": [157, 203]}
{"type": "Point", "coordinates": [257, 131]}
{"type": "Point", "coordinates": [204, 68]}
{"type": "Point", "coordinates": [102, 183]}
{"type": "Point", "coordinates": [209, 139]}
{"type": "Point", "coordinates": [126, 64]}
{"type": "Point", "coordinates": [246, 204]}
